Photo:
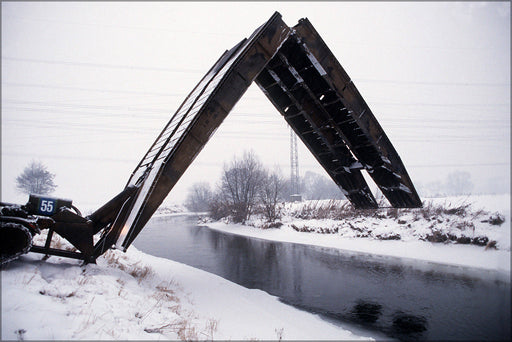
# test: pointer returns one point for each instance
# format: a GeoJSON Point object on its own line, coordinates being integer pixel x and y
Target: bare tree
{"type": "Point", "coordinates": [271, 192]}
{"type": "Point", "coordinates": [458, 183]}
{"type": "Point", "coordinates": [317, 186]}
{"type": "Point", "coordinates": [240, 183]}
{"type": "Point", "coordinates": [36, 179]}
{"type": "Point", "coordinates": [199, 197]}
{"type": "Point", "coordinates": [217, 207]}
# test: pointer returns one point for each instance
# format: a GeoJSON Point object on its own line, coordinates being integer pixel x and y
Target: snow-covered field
{"type": "Point", "coordinates": [137, 296]}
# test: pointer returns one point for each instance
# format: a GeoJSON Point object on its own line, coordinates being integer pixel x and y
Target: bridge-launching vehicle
{"type": "Point", "coordinates": [302, 78]}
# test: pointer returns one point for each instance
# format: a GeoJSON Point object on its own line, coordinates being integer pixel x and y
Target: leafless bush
{"type": "Point", "coordinates": [318, 210]}
{"type": "Point", "coordinates": [431, 210]}
{"type": "Point", "coordinates": [320, 230]}
{"type": "Point", "coordinates": [218, 208]}
{"type": "Point", "coordinates": [269, 225]}
{"type": "Point", "coordinates": [240, 183]}
{"type": "Point", "coordinates": [390, 236]}
{"type": "Point", "coordinates": [336, 210]}
{"type": "Point", "coordinates": [270, 193]}
{"type": "Point", "coordinates": [199, 197]}
{"type": "Point", "coordinates": [495, 219]}
{"type": "Point", "coordinates": [460, 210]}
{"type": "Point", "coordinates": [279, 333]}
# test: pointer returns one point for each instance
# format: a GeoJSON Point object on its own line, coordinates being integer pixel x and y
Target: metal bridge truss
{"type": "Point", "coordinates": [305, 82]}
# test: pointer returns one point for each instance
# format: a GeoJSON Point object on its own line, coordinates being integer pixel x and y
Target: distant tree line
{"type": "Point", "coordinates": [455, 183]}
{"type": "Point", "coordinates": [246, 187]}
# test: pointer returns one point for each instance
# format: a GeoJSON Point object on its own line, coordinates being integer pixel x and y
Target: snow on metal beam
{"type": "Point", "coordinates": [305, 82]}
{"type": "Point", "coordinates": [314, 94]}
{"type": "Point", "coordinates": [194, 123]}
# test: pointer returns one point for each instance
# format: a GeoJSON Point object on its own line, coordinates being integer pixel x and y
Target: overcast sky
{"type": "Point", "coordinates": [86, 87]}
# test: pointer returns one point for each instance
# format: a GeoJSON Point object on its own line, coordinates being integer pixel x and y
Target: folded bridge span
{"type": "Point", "coordinates": [302, 78]}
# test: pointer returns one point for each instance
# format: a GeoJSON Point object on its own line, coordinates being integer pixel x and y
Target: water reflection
{"type": "Point", "coordinates": [404, 299]}
{"type": "Point", "coordinates": [367, 312]}
{"type": "Point", "coordinates": [407, 326]}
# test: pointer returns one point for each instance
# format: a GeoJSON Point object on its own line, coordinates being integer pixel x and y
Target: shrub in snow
{"type": "Point", "coordinates": [456, 223]}
{"type": "Point", "coordinates": [480, 240]}
{"type": "Point", "coordinates": [495, 219]}
{"type": "Point", "coordinates": [389, 237]}
{"type": "Point", "coordinates": [269, 225]}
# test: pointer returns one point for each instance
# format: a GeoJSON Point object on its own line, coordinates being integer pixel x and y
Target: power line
{"type": "Point", "coordinates": [202, 71]}
{"type": "Point", "coordinates": [160, 110]}
{"type": "Point", "coordinates": [140, 28]}
{"type": "Point", "coordinates": [82, 106]}
{"type": "Point", "coordinates": [62, 87]}
{"type": "Point", "coordinates": [231, 34]}
{"type": "Point", "coordinates": [102, 65]}
{"type": "Point", "coordinates": [128, 92]}
{"type": "Point", "coordinates": [215, 164]}
{"type": "Point", "coordinates": [458, 84]}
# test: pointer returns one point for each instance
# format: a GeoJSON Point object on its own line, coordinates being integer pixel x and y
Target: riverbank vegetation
{"type": "Point", "coordinates": [247, 188]}
{"type": "Point", "coordinates": [449, 222]}
{"type": "Point", "coordinates": [249, 194]}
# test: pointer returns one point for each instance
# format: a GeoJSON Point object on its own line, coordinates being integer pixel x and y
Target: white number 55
{"type": "Point", "coordinates": [46, 206]}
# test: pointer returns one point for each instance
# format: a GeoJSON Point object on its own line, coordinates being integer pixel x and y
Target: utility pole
{"type": "Point", "coordinates": [294, 162]}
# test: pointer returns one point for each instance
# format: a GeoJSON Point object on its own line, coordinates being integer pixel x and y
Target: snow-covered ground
{"type": "Point", "coordinates": [135, 296]}
{"type": "Point", "coordinates": [368, 233]}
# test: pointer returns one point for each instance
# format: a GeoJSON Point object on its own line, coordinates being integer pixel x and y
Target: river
{"type": "Point", "coordinates": [394, 297]}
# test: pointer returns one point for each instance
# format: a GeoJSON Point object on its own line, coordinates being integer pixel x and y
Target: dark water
{"type": "Point", "coordinates": [400, 298]}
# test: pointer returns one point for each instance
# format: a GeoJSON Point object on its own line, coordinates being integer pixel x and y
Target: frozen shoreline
{"type": "Point", "coordinates": [457, 255]}
{"type": "Point", "coordinates": [137, 296]}
{"type": "Point", "coordinates": [134, 295]}
{"type": "Point", "coordinates": [447, 254]}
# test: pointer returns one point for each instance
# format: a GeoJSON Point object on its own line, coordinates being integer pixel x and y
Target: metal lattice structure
{"type": "Point", "coordinates": [302, 78]}
{"type": "Point", "coordinates": [320, 102]}
{"type": "Point", "coordinates": [294, 165]}
{"type": "Point", "coordinates": [194, 123]}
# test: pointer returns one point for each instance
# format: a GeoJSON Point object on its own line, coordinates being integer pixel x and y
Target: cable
{"type": "Point", "coordinates": [184, 70]}
{"type": "Point", "coordinates": [101, 65]}
{"type": "Point", "coordinates": [215, 164]}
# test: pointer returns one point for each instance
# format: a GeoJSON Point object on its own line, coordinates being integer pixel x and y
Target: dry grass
{"type": "Point", "coordinates": [57, 241]}
{"type": "Point", "coordinates": [341, 210]}
{"type": "Point", "coordinates": [135, 270]}
{"type": "Point", "coordinates": [458, 218]}
{"type": "Point", "coordinates": [186, 328]}
{"type": "Point", "coordinates": [166, 299]}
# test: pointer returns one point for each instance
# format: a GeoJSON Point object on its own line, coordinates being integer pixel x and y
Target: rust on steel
{"type": "Point", "coordinates": [305, 82]}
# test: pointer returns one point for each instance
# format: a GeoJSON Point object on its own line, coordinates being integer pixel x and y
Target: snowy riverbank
{"type": "Point", "coordinates": [412, 226]}
{"type": "Point", "coordinates": [136, 296]}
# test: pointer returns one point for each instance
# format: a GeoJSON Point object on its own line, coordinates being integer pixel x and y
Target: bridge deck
{"type": "Point", "coordinates": [305, 82]}
{"type": "Point", "coordinates": [314, 94]}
